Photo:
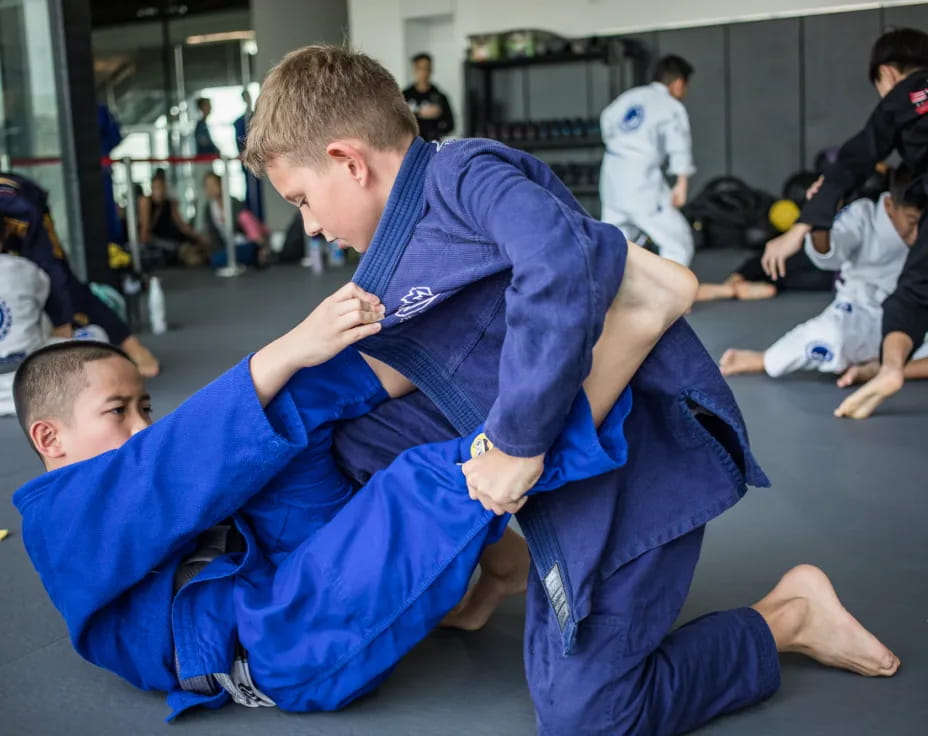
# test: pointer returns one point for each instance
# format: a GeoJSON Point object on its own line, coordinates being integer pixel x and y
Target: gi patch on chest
{"type": "Point", "coordinates": [6, 319]}
{"type": "Point", "coordinates": [417, 300]}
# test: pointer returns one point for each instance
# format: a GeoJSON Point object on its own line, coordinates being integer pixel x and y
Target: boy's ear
{"type": "Point", "coordinates": [46, 439]}
{"type": "Point", "coordinates": [353, 157]}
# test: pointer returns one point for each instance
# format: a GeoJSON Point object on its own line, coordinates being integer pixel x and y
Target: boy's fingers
{"type": "Point", "coordinates": [351, 289]}
{"type": "Point", "coordinates": [350, 337]}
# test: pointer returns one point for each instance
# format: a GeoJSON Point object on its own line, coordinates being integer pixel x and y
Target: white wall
{"type": "Point", "coordinates": [377, 25]}
{"type": "Point", "coordinates": [282, 26]}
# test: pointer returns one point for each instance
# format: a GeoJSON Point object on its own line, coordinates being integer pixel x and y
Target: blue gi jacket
{"type": "Point", "coordinates": [496, 283]}
{"type": "Point", "coordinates": [325, 603]}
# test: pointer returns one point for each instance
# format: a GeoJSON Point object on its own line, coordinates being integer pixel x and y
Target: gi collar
{"type": "Point", "coordinates": [399, 219]}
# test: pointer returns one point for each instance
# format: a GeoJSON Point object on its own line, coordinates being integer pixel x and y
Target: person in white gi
{"type": "Point", "coordinates": [23, 326]}
{"type": "Point", "coordinates": [868, 243]}
{"type": "Point", "coordinates": [643, 129]}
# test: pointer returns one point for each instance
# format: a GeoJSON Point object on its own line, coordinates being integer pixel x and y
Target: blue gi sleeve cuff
{"type": "Point", "coordinates": [581, 451]}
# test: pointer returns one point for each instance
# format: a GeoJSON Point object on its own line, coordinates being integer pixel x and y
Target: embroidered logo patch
{"type": "Point", "coordinates": [844, 307]}
{"type": "Point", "coordinates": [417, 300]}
{"type": "Point", "coordinates": [480, 445]}
{"type": "Point", "coordinates": [819, 352]}
{"type": "Point", "coordinates": [632, 119]}
{"type": "Point", "coordinates": [6, 319]}
{"type": "Point", "coordinates": [920, 100]}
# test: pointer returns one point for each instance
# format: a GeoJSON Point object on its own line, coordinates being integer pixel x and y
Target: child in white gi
{"type": "Point", "coordinates": [869, 243]}
{"type": "Point", "coordinates": [23, 292]}
{"type": "Point", "coordinates": [642, 129]}
{"type": "Point", "coordinates": [24, 328]}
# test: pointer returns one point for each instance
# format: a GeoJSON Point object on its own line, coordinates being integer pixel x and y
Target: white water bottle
{"type": "Point", "coordinates": [156, 312]}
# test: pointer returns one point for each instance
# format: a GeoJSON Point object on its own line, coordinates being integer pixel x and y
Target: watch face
{"type": "Point", "coordinates": [480, 445]}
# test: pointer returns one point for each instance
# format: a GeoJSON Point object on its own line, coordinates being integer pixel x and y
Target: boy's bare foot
{"type": "Point", "coordinates": [859, 374]}
{"type": "Point", "coordinates": [715, 292]}
{"type": "Point", "coordinates": [735, 361]}
{"type": "Point", "coordinates": [749, 291]}
{"type": "Point", "coordinates": [143, 358]}
{"type": "Point", "coordinates": [806, 617]}
{"type": "Point", "coordinates": [864, 401]}
{"type": "Point", "coordinates": [504, 570]}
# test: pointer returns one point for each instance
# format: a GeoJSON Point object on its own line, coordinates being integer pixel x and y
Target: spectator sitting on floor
{"type": "Point", "coordinates": [251, 235]}
{"type": "Point", "coordinates": [163, 229]}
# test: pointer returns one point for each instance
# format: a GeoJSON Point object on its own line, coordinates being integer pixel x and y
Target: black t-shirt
{"type": "Point", "coordinates": [899, 123]}
{"type": "Point", "coordinates": [436, 128]}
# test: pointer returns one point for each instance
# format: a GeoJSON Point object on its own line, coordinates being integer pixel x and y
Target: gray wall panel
{"type": "Point", "coordinates": [913, 16]}
{"type": "Point", "coordinates": [765, 128]}
{"type": "Point", "coordinates": [704, 48]}
{"type": "Point", "coordinates": [838, 95]}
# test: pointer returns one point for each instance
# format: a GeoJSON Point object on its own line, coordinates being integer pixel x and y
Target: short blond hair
{"type": "Point", "coordinates": [319, 94]}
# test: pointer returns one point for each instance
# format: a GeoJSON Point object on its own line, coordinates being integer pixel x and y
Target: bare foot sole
{"type": "Point", "coordinates": [735, 361]}
{"type": "Point", "coordinates": [143, 358]}
{"type": "Point", "coordinates": [714, 292]}
{"type": "Point", "coordinates": [749, 291]}
{"type": "Point", "coordinates": [865, 400]}
{"type": "Point", "coordinates": [806, 617]}
{"type": "Point", "coordinates": [858, 374]}
{"type": "Point", "coordinates": [476, 608]}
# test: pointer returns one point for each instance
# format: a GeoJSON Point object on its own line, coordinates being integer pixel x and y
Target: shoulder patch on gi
{"type": "Point", "coordinates": [819, 352]}
{"type": "Point", "coordinates": [417, 300]}
{"type": "Point", "coordinates": [632, 119]}
{"type": "Point", "coordinates": [6, 319]}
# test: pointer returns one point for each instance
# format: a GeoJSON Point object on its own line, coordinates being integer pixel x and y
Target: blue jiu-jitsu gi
{"type": "Point", "coordinates": [486, 240]}
{"type": "Point", "coordinates": [325, 591]}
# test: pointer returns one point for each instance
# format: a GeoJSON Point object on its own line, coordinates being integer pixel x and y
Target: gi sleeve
{"type": "Point", "coordinates": [96, 528]}
{"type": "Point", "coordinates": [854, 164]}
{"type": "Point", "coordinates": [845, 239]}
{"type": "Point", "coordinates": [555, 303]}
{"type": "Point", "coordinates": [678, 143]}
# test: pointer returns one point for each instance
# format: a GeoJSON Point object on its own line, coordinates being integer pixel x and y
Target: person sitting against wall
{"type": "Point", "coordinates": [251, 235]}
{"type": "Point", "coordinates": [164, 230]}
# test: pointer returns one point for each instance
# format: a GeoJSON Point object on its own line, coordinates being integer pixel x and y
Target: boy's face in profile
{"type": "Point", "coordinates": [111, 407]}
{"type": "Point", "coordinates": [331, 200]}
{"type": "Point", "coordinates": [905, 220]}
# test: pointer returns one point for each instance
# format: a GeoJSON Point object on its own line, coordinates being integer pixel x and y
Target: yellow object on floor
{"type": "Point", "coordinates": [4, 533]}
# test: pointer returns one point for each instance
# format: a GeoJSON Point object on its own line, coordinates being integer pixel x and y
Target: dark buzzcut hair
{"type": "Point", "coordinates": [671, 68]}
{"type": "Point", "coordinates": [49, 380]}
{"type": "Point", "coordinates": [902, 188]}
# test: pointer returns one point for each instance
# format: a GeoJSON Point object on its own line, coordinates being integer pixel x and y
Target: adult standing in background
{"type": "Point", "coordinates": [643, 129]}
{"type": "Point", "coordinates": [201, 135]}
{"type": "Point", "coordinates": [254, 200]}
{"type": "Point", "coordinates": [428, 103]}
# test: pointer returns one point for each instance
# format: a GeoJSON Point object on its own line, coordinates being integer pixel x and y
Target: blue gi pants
{"type": "Point", "coordinates": [626, 674]}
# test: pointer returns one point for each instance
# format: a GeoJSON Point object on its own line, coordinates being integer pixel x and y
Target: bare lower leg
{"type": "Point", "coordinates": [715, 292]}
{"type": "Point", "coordinates": [654, 294]}
{"type": "Point", "coordinates": [897, 346]}
{"type": "Point", "coordinates": [504, 569]}
{"type": "Point", "coordinates": [749, 291]}
{"type": "Point", "coordinates": [143, 358]}
{"type": "Point", "coordinates": [806, 617]}
{"type": "Point", "coordinates": [734, 362]}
